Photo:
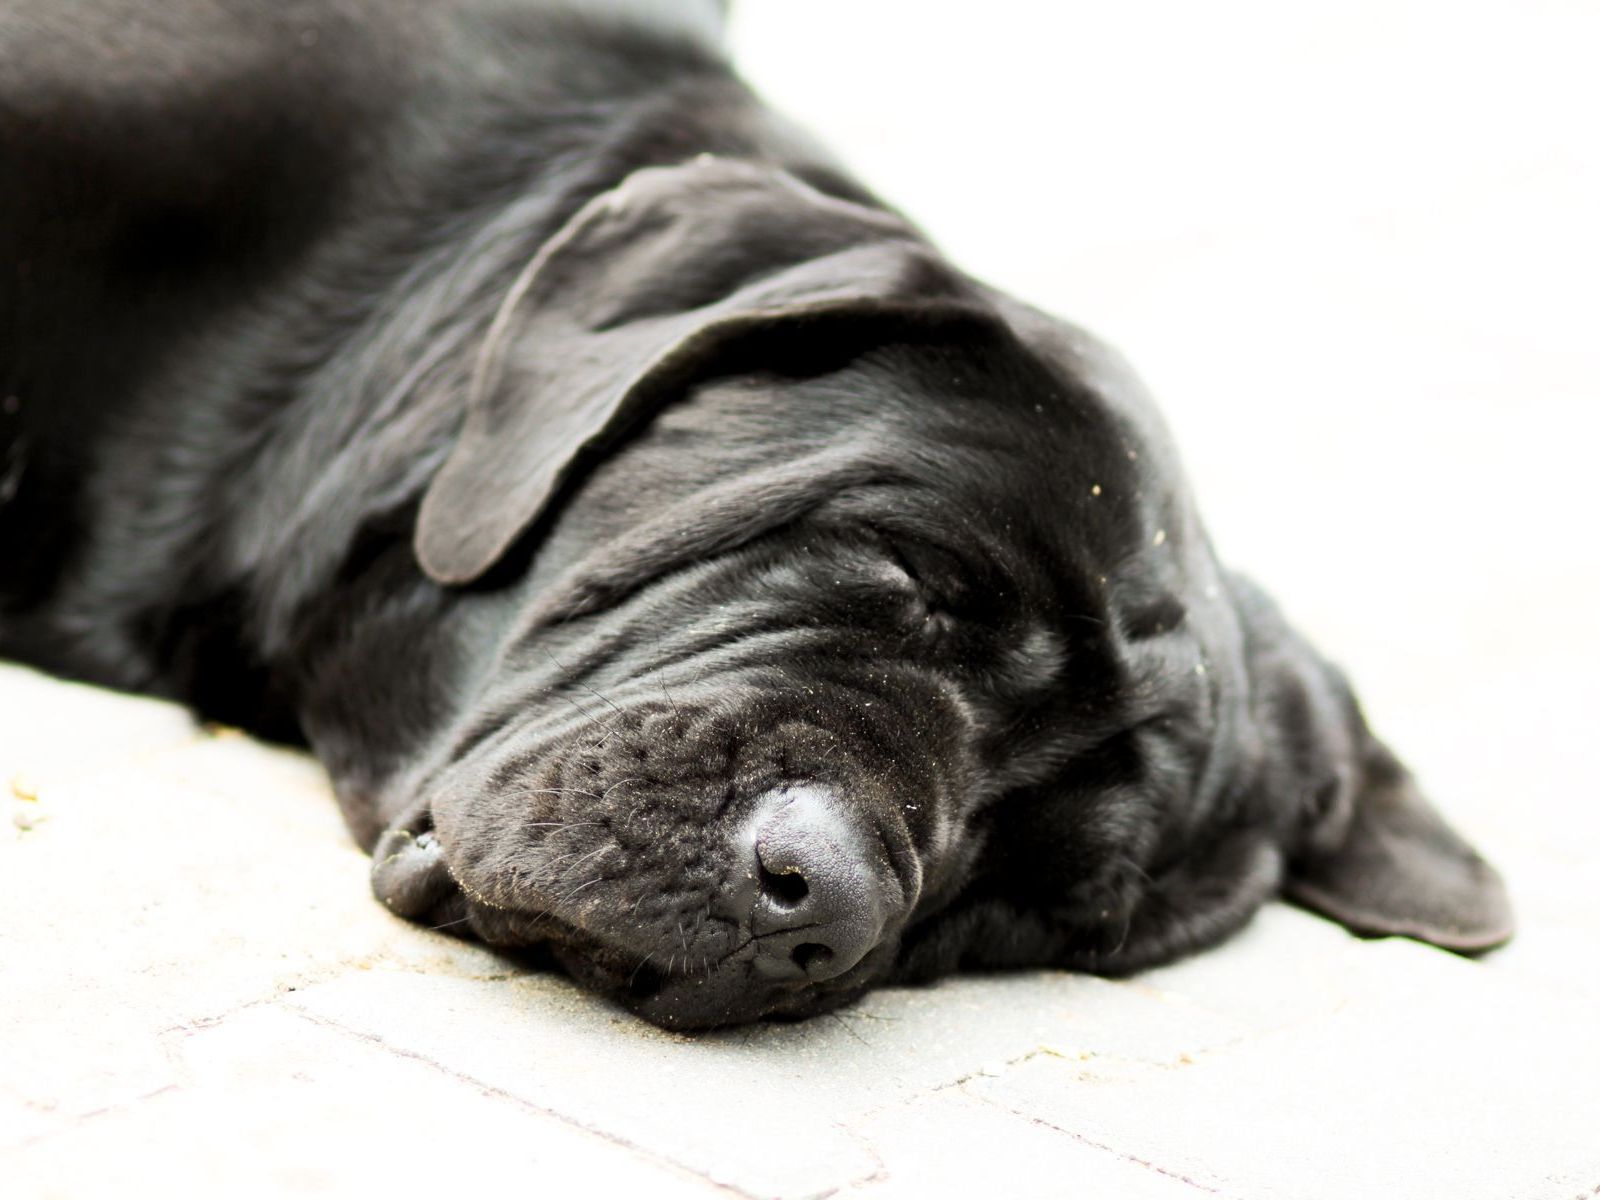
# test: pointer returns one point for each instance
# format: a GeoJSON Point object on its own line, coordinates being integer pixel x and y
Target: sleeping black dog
{"type": "Point", "coordinates": [676, 563]}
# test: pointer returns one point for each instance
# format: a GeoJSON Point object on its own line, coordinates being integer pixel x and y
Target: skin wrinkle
{"type": "Point", "coordinates": [902, 872]}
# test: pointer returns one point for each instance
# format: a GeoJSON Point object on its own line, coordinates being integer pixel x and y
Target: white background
{"type": "Point", "coordinates": [1353, 249]}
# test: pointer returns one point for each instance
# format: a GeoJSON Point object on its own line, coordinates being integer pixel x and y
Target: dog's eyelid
{"type": "Point", "coordinates": [943, 578]}
{"type": "Point", "coordinates": [898, 560]}
{"type": "Point", "coordinates": [1164, 615]}
{"type": "Point", "coordinates": [895, 575]}
{"type": "Point", "coordinates": [934, 595]}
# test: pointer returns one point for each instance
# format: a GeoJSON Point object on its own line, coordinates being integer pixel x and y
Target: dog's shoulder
{"type": "Point", "coordinates": [225, 205]}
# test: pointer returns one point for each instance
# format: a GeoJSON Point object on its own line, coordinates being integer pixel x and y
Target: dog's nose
{"type": "Point", "coordinates": [818, 889]}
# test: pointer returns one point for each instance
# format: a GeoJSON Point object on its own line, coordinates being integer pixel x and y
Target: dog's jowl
{"type": "Point", "coordinates": [678, 565]}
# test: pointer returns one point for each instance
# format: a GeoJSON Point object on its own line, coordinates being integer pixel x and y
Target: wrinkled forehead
{"type": "Point", "coordinates": [1032, 467]}
{"type": "Point", "coordinates": [1019, 444]}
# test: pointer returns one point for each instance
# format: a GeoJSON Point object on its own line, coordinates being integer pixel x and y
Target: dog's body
{"type": "Point", "coordinates": [673, 560]}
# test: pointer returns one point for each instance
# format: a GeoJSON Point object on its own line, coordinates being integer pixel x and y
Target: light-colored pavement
{"type": "Point", "coordinates": [1358, 261]}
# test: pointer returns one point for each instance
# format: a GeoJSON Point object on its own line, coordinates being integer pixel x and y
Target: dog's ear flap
{"type": "Point", "coordinates": [1366, 848]}
{"type": "Point", "coordinates": [627, 304]}
{"type": "Point", "coordinates": [1395, 867]}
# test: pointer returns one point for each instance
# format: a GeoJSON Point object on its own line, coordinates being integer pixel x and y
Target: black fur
{"type": "Point", "coordinates": [722, 479]}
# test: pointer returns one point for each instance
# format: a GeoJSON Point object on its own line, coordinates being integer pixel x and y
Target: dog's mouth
{"type": "Point", "coordinates": [803, 916]}
{"type": "Point", "coordinates": [702, 870]}
{"type": "Point", "coordinates": [733, 991]}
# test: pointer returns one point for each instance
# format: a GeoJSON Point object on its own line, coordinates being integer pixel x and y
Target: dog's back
{"type": "Point", "coordinates": [210, 200]}
{"type": "Point", "coordinates": [165, 164]}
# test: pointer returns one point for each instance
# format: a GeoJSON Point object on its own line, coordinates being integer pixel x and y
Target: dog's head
{"type": "Point", "coordinates": [868, 633]}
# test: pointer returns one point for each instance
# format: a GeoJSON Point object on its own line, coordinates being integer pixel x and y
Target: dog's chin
{"type": "Point", "coordinates": [731, 992]}
{"type": "Point", "coordinates": [687, 1003]}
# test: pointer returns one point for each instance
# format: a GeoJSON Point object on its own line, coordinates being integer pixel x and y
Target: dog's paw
{"type": "Point", "coordinates": [410, 877]}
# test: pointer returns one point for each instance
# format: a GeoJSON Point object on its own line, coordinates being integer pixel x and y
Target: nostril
{"type": "Point", "coordinates": [811, 894]}
{"type": "Point", "coordinates": [785, 889]}
{"type": "Point", "coordinates": [811, 956]}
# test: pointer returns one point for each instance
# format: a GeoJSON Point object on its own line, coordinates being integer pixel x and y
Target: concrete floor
{"type": "Point", "coordinates": [1356, 254]}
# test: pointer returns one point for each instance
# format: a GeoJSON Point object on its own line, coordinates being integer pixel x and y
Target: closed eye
{"type": "Point", "coordinates": [1152, 620]}
{"type": "Point", "coordinates": [933, 612]}
{"type": "Point", "coordinates": [898, 560]}
{"type": "Point", "coordinates": [896, 572]}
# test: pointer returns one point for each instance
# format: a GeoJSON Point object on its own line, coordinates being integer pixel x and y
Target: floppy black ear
{"type": "Point", "coordinates": [1367, 848]}
{"type": "Point", "coordinates": [636, 295]}
{"type": "Point", "coordinates": [1397, 868]}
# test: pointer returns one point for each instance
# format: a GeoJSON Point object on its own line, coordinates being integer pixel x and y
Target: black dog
{"type": "Point", "coordinates": [675, 562]}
